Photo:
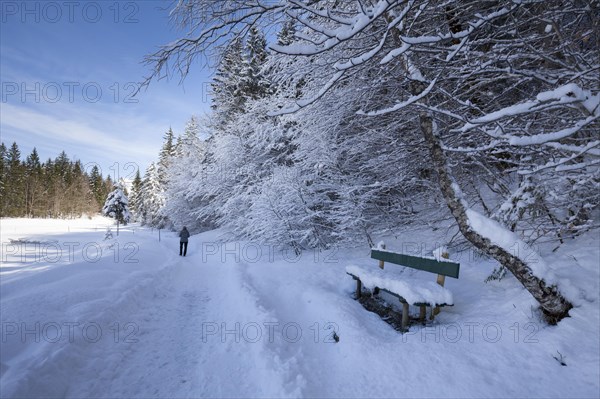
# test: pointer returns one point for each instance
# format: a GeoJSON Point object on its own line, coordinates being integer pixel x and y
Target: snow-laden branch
{"type": "Point", "coordinates": [543, 138]}
{"type": "Point", "coordinates": [559, 165]}
{"type": "Point", "coordinates": [325, 14]}
{"type": "Point", "coordinates": [404, 104]}
{"type": "Point", "coordinates": [215, 25]}
{"type": "Point", "coordinates": [421, 40]}
{"type": "Point", "coordinates": [492, 145]}
{"type": "Point", "coordinates": [339, 35]}
{"type": "Point", "coordinates": [576, 148]}
{"type": "Point", "coordinates": [361, 59]}
{"type": "Point", "coordinates": [564, 95]}
{"type": "Point", "coordinates": [308, 101]}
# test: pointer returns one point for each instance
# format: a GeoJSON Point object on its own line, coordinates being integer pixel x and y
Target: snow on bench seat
{"type": "Point", "coordinates": [413, 290]}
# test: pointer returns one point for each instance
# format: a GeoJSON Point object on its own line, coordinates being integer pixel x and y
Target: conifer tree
{"type": "Point", "coordinates": [117, 206]}
{"type": "Point", "coordinates": [97, 186]}
{"type": "Point", "coordinates": [135, 196]}
{"type": "Point", "coordinates": [190, 139]}
{"type": "Point", "coordinates": [152, 198]}
{"type": "Point", "coordinates": [14, 184]}
{"type": "Point", "coordinates": [254, 84]}
{"type": "Point", "coordinates": [226, 85]}
{"type": "Point", "coordinates": [286, 35]}
{"type": "Point", "coordinates": [33, 175]}
{"type": "Point", "coordinates": [164, 159]}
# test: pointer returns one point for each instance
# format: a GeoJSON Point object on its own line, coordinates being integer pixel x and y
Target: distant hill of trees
{"type": "Point", "coordinates": [56, 188]}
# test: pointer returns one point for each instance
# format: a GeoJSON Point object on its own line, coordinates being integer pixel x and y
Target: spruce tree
{"type": "Point", "coordinates": [14, 185]}
{"type": "Point", "coordinates": [117, 206]}
{"type": "Point", "coordinates": [286, 35]}
{"type": "Point", "coordinates": [226, 85]}
{"type": "Point", "coordinates": [49, 187]}
{"type": "Point", "coordinates": [33, 176]}
{"type": "Point", "coordinates": [254, 85]}
{"type": "Point", "coordinates": [152, 198]}
{"type": "Point", "coordinates": [97, 186]}
{"type": "Point", "coordinates": [135, 196]}
{"type": "Point", "coordinates": [164, 159]}
{"type": "Point", "coordinates": [190, 140]}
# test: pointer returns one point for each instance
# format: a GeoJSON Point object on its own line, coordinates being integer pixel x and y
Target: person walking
{"type": "Point", "coordinates": [184, 234]}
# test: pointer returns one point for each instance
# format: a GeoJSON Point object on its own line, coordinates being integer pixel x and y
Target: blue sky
{"type": "Point", "coordinates": [68, 70]}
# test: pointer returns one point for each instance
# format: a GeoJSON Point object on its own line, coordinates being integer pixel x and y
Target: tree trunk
{"type": "Point", "coordinates": [554, 306]}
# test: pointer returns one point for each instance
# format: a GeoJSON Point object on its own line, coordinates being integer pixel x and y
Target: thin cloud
{"type": "Point", "coordinates": [79, 133]}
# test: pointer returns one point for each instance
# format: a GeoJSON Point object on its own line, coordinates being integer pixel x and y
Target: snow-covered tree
{"type": "Point", "coordinates": [135, 197]}
{"type": "Point", "coordinates": [152, 198]}
{"type": "Point", "coordinates": [33, 184]}
{"type": "Point", "coordinates": [286, 35]}
{"type": "Point", "coordinates": [117, 206]}
{"type": "Point", "coordinates": [226, 85]}
{"type": "Point", "coordinates": [13, 188]}
{"type": "Point", "coordinates": [179, 208]}
{"type": "Point", "coordinates": [164, 158]}
{"type": "Point", "coordinates": [97, 186]}
{"type": "Point", "coordinates": [254, 83]}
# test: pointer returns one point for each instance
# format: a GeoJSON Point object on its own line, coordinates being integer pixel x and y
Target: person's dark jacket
{"type": "Point", "coordinates": [184, 235]}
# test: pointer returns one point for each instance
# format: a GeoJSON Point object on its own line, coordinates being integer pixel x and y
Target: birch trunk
{"type": "Point", "coordinates": [554, 306]}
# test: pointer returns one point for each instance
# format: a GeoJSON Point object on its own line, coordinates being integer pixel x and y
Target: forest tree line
{"type": "Point", "coordinates": [325, 175]}
{"type": "Point", "coordinates": [56, 188]}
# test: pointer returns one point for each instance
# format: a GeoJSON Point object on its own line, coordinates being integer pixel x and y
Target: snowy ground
{"type": "Point", "coordinates": [127, 317]}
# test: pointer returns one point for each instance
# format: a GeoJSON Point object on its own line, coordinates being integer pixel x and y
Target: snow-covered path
{"type": "Point", "coordinates": [151, 340]}
{"type": "Point", "coordinates": [169, 357]}
{"type": "Point", "coordinates": [223, 322]}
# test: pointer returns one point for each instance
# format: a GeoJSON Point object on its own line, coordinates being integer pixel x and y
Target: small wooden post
{"type": "Point", "coordinates": [422, 313]}
{"type": "Point", "coordinates": [381, 262]}
{"type": "Point", "coordinates": [358, 289]}
{"type": "Point", "coordinates": [404, 316]}
{"type": "Point", "coordinates": [441, 279]}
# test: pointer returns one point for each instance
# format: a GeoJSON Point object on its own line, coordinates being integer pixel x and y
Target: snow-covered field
{"type": "Point", "coordinates": [127, 317]}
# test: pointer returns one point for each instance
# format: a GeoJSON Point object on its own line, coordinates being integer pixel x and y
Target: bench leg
{"type": "Point", "coordinates": [436, 311]}
{"type": "Point", "coordinates": [422, 313]}
{"type": "Point", "coordinates": [358, 288]}
{"type": "Point", "coordinates": [404, 316]}
{"type": "Point", "coordinates": [433, 313]}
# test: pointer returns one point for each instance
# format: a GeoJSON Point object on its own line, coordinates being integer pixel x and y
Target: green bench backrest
{"type": "Point", "coordinates": [449, 269]}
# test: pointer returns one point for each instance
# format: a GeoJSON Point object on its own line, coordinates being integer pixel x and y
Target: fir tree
{"type": "Point", "coordinates": [254, 85]}
{"type": "Point", "coordinates": [152, 198]}
{"type": "Point", "coordinates": [164, 159]}
{"type": "Point", "coordinates": [97, 186]}
{"type": "Point", "coordinates": [190, 141]}
{"type": "Point", "coordinates": [117, 206]}
{"type": "Point", "coordinates": [14, 185]}
{"type": "Point", "coordinates": [135, 196]}
{"type": "Point", "coordinates": [286, 35]}
{"type": "Point", "coordinates": [33, 176]}
{"type": "Point", "coordinates": [226, 85]}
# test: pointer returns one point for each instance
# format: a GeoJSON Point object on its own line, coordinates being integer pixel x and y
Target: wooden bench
{"type": "Point", "coordinates": [409, 291]}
